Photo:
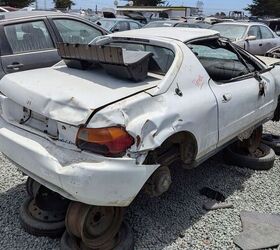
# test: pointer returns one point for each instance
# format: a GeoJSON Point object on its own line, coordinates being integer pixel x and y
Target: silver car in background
{"type": "Point", "coordinates": [257, 38]}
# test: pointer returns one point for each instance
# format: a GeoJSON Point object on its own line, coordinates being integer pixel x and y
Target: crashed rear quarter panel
{"type": "Point", "coordinates": [152, 118]}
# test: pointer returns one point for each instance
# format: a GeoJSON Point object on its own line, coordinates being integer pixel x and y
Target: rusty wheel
{"type": "Point", "coordinates": [73, 218]}
{"type": "Point", "coordinates": [97, 226]}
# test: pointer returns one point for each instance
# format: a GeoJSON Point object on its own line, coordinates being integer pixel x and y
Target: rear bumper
{"type": "Point", "coordinates": [78, 176]}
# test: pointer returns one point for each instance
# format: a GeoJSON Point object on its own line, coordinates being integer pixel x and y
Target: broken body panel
{"type": "Point", "coordinates": [182, 101]}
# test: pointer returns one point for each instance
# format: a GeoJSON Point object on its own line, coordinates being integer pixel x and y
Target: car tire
{"type": "Point", "coordinates": [265, 162]}
{"type": "Point", "coordinates": [38, 227]}
{"type": "Point", "coordinates": [272, 141]}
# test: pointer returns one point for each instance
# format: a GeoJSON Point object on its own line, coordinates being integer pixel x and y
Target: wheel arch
{"type": "Point", "coordinates": [181, 145]}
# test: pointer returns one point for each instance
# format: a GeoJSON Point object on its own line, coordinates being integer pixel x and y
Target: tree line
{"type": "Point", "coordinates": [264, 8]}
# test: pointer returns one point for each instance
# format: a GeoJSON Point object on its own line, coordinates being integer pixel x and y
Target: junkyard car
{"type": "Point", "coordinates": [257, 38]}
{"type": "Point", "coordinates": [96, 138]}
{"type": "Point", "coordinates": [28, 38]}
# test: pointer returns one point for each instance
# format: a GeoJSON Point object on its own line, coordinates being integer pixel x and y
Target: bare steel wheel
{"type": "Point", "coordinates": [41, 222]}
{"type": "Point", "coordinates": [97, 226]}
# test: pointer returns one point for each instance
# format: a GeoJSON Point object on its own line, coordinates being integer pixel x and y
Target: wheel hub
{"type": "Point", "coordinates": [97, 226]}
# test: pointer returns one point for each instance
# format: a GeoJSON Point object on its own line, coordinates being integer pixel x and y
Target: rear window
{"type": "Point", "coordinates": [162, 58]}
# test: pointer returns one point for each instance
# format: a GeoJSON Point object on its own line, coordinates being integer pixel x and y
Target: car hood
{"type": "Point", "coordinates": [69, 95]}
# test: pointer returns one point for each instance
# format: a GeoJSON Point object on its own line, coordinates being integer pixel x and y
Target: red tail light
{"type": "Point", "coordinates": [111, 141]}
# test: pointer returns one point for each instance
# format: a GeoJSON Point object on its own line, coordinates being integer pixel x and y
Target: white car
{"type": "Point", "coordinates": [97, 138]}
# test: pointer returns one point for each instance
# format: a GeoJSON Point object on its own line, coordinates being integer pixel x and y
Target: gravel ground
{"type": "Point", "coordinates": [176, 220]}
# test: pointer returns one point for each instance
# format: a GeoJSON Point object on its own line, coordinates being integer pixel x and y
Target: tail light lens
{"type": "Point", "coordinates": [111, 141]}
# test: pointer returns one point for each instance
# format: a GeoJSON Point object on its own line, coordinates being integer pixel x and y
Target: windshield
{"type": "Point", "coordinates": [159, 24]}
{"type": "Point", "coordinates": [233, 32]}
{"type": "Point", "coordinates": [106, 24]}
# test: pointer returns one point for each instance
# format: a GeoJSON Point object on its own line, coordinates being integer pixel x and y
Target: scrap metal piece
{"type": "Point", "coordinates": [214, 205]}
{"type": "Point", "coordinates": [259, 231]}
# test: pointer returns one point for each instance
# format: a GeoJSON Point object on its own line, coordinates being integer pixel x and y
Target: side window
{"type": "Point", "coordinates": [220, 60]}
{"type": "Point", "coordinates": [72, 31]}
{"type": "Point", "coordinates": [31, 36]}
{"type": "Point", "coordinates": [266, 33]}
{"type": "Point", "coordinates": [255, 31]}
{"type": "Point", "coordinates": [134, 26]}
{"type": "Point", "coordinates": [122, 26]}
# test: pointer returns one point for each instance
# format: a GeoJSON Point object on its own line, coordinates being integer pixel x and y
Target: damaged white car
{"type": "Point", "coordinates": [110, 122]}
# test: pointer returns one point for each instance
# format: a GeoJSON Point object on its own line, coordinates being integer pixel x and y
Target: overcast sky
{"type": "Point", "coordinates": [210, 6]}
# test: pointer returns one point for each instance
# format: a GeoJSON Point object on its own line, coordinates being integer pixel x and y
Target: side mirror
{"type": "Point", "coordinates": [250, 38]}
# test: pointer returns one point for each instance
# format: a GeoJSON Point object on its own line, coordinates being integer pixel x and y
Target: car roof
{"type": "Point", "coordinates": [119, 19]}
{"type": "Point", "coordinates": [4, 16]}
{"type": "Point", "coordinates": [181, 34]}
{"type": "Point", "coordinates": [240, 23]}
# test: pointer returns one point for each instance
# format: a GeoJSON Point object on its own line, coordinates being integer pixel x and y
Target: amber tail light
{"type": "Point", "coordinates": [111, 141]}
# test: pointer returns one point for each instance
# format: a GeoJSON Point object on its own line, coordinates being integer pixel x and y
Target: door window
{"type": "Point", "coordinates": [72, 31]}
{"type": "Point", "coordinates": [220, 60]}
{"type": "Point", "coordinates": [255, 31]}
{"type": "Point", "coordinates": [134, 26]}
{"type": "Point", "coordinates": [122, 26]}
{"type": "Point", "coordinates": [266, 33]}
{"type": "Point", "coordinates": [31, 36]}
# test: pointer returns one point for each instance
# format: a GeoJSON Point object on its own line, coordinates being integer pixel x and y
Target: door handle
{"type": "Point", "coordinates": [260, 44]}
{"type": "Point", "coordinates": [15, 66]}
{"type": "Point", "coordinates": [227, 97]}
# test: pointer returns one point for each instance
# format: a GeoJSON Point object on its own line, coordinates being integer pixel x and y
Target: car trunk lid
{"type": "Point", "coordinates": [69, 95]}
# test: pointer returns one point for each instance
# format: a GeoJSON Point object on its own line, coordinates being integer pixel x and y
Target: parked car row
{"type": "Point", "coordinates": [257, 38]}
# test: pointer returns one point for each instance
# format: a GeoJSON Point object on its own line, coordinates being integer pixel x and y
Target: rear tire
{"type": "Point", "coordinates": [233, 156]}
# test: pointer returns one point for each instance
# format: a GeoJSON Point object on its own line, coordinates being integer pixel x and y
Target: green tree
{"type": "Point", "coordinates": [63, 4]}
{"type": "Point", "coordinates": [16, 3]}
{"type": "Point", "coordinates": [148, 2]}
{"type": "Point", "coordinates": [264, 8]}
